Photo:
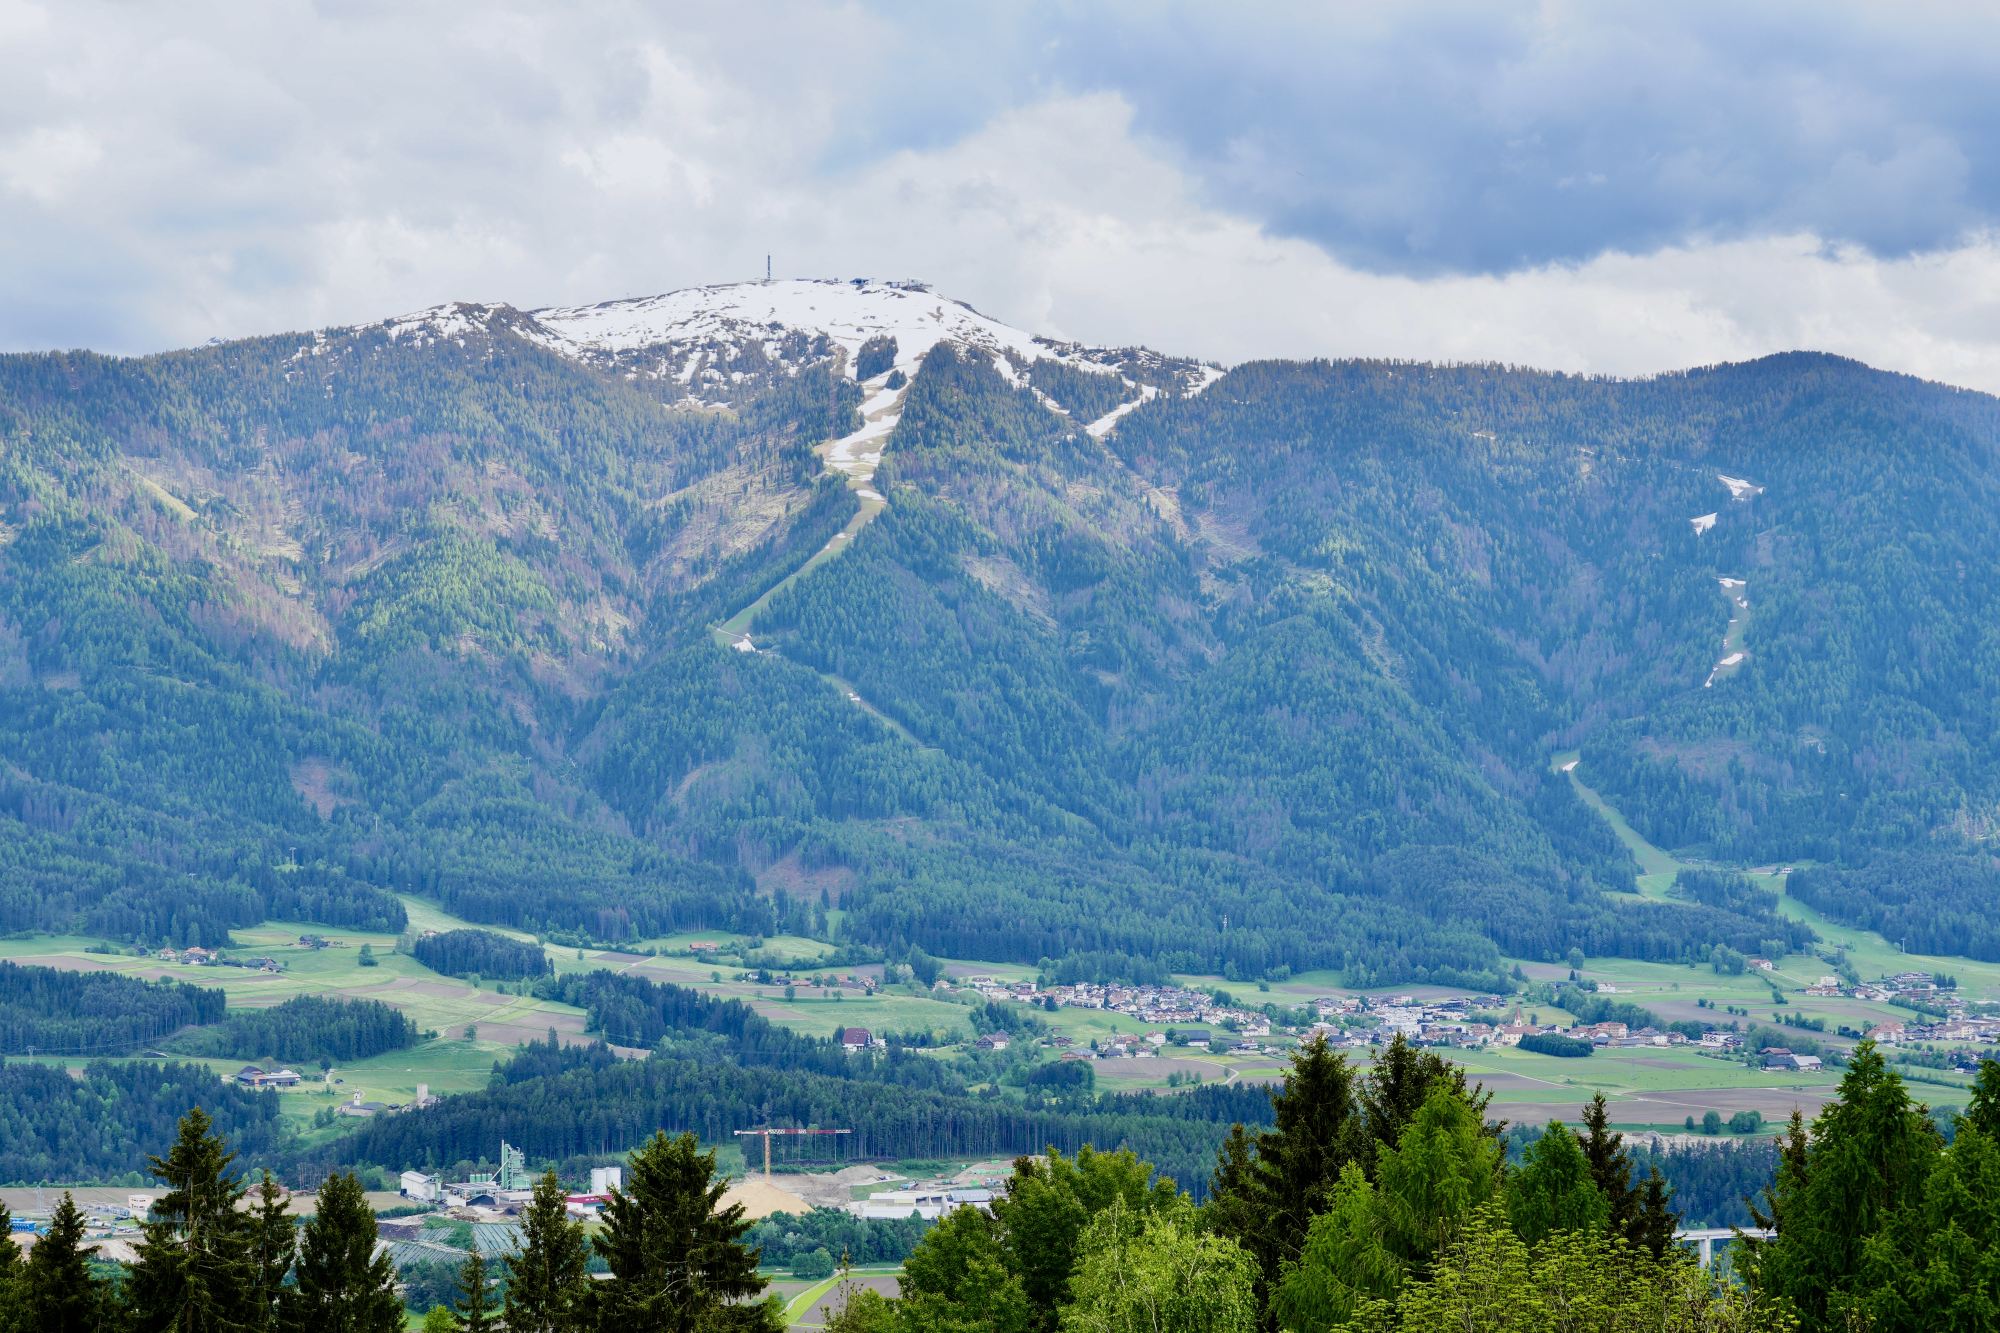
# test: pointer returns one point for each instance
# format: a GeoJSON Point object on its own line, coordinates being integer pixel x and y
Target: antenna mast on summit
{"type": "Point", "coordinates": [767, 268]}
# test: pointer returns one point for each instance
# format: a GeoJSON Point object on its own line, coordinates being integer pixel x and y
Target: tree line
{"type": "Point", "coordinates": [57, 1012]}
{"type": "Point", "coordinates": [306, 1029]}
{"type": "Point", "coordinates": [100, 1126]}
{"type": "Point", "coordinates": [480, 953]}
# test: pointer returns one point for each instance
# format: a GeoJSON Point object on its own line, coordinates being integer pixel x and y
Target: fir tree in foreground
{"type": "Point", "coordinates": [58, 1293]}
{"type": "Point", "coordinates": [676, 1256]}
{"type": "Point", "coordinates": [475, 1296]}
{"type": "Point", "coordinates": [545, 1280]}
{"type": "Point", "coordinates": [196, 1271]}
{"type": "Point", "coordinates": [273, 1246]}
{"type": "Point", "coordinates": [10, 1272]}
{"type": "Point", "coordinates": [342, 1285]}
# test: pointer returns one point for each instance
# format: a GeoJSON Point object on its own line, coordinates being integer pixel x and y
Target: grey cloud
{"type": "Point", "coordinates": [1454, 179]}
{"type": "Point", "coordinates": [1485, 137]}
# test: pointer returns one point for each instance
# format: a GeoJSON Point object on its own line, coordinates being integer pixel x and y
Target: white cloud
{"type": "Point", "coordinates": [43, 163]}
{"type": "Point", "coordinates": [163, 181]}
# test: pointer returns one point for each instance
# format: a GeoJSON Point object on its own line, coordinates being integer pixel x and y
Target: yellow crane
{"type": "Point", "coordinates": [767, 1131]}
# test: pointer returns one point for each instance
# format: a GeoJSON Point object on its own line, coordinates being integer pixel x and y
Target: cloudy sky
{"type": "Point", "coordinates": [1592, 186]}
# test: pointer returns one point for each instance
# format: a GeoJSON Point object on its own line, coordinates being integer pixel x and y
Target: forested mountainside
{"type": "Point", "coordinates": [1234, 673]}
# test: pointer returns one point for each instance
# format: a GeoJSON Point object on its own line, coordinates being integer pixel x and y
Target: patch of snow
{"type": "Point", "coordinates": [848, 314]}
{"type": "Point", "coordinates": [1704, 523]}
{"type": "Point", "coordinates": [440, 323]}
{"type": "Point", "coordinates": [1730, 660]}
{"type": "Point", "coordinates": [1739, 489]}
{"type": "Point", "coordinates": [704, 338]}
{"type": "Point", "coordinates": [1209, 375]}
{"type": "Point", "coordinates": [1731, 584]}
{"type": "Point", "coordinates": [851, 455]}
{"type": "Point", "coordinates": [881, 401]}
{"type": "Point", "coordinates": [1101, 427]}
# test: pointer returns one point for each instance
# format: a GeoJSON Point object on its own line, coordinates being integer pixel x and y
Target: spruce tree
{"type": "Point", "coordinates": [273, 1244]}
{"type": "Point", "coordinates": [1983, 1113]}
{"type": "Point", "coordinates": [1610, 1165]}
{"type": "Point", "coordinates": [1398, 1084]}
{"type": "Point", "coordinates": [1653, 1221]}
{"type": "Point", "coordinates": [545, 1280]}
{"type": "Point", "coordinates": [1444, 1166]}
{"type": "Point", "coordinates": [58, 1293]}
{"type": "Point", "coordinates": [1317, 1131]}
{"type": "Point", "coordinates": [10, 1273]}
{"type": "Point", "coordinates": [1553, 1191]}
{"type": "Point", "coordinates": [194, 1272]}
{"type": "Point", "coordinates": [342, 1286]}
{"type": "Point", "coordinates": [677, 1258]}
{"type": "Point", "coordinates": [1232, 1208]}
{"type": "Point", "coordinates": [1870, 1155]}
{"type": "Point", "coordinates": [475, 1296]}
{"type": "Point", "coordinates": [1937, 1264]}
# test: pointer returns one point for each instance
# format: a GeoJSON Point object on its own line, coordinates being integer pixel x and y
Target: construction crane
{"type": "Point", "coordinates": [768, 1131]}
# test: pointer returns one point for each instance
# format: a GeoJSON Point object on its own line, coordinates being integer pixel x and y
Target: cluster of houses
{"type": "Point", "coordinates": [1909, 988]}
{"type": "Point", "coordinates": [1153, 1043]}
{"type": "Point", "coordinates": [1953, 1030]}
{"type": "Point", "coordinates": [196, 956]}
{"type": "Point", "coordinates": [1170, 1005]}
{"type": "Point", "coordinates": [256, 1076]}
{"type": "Point", "coordinates": [1356, 1022]}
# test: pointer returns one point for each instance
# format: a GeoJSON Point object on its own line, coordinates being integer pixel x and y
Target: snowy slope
{"type": "Point", "coordinates": [709, 337]}
{"type": "Point", "coordinates": [713, 345]}
{"type": "Point", "coordinates": [847, 314]}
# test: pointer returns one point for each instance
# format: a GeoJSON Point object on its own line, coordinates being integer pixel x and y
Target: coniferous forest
{"type": "Point", "coordinates": [284, 633]}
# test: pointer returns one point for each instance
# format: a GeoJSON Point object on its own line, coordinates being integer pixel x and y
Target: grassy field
{"type": "Point", "coordinates": [1646, 1088]}
{"type": "Point", "coordinates": [809, 1304]}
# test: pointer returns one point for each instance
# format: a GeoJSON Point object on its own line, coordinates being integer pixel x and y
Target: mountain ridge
{"type": "Point", "coordinates": [1131, 648]}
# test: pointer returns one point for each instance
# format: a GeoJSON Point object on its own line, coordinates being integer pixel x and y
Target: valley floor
{"type": "Point", "coordinates": [473, 1025]}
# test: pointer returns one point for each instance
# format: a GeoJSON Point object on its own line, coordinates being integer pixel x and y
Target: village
{"type": "Point", "coordinates": [1202, 1020]}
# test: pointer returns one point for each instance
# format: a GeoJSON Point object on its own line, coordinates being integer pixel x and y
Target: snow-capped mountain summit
{"type": "Point", "coordinates": [847, 314]}
{"type": "Point", "coordinates": [708, 337]}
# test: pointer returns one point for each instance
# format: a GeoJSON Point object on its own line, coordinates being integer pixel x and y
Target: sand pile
{"type": "Point", "coordinates": [761, 1198]}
